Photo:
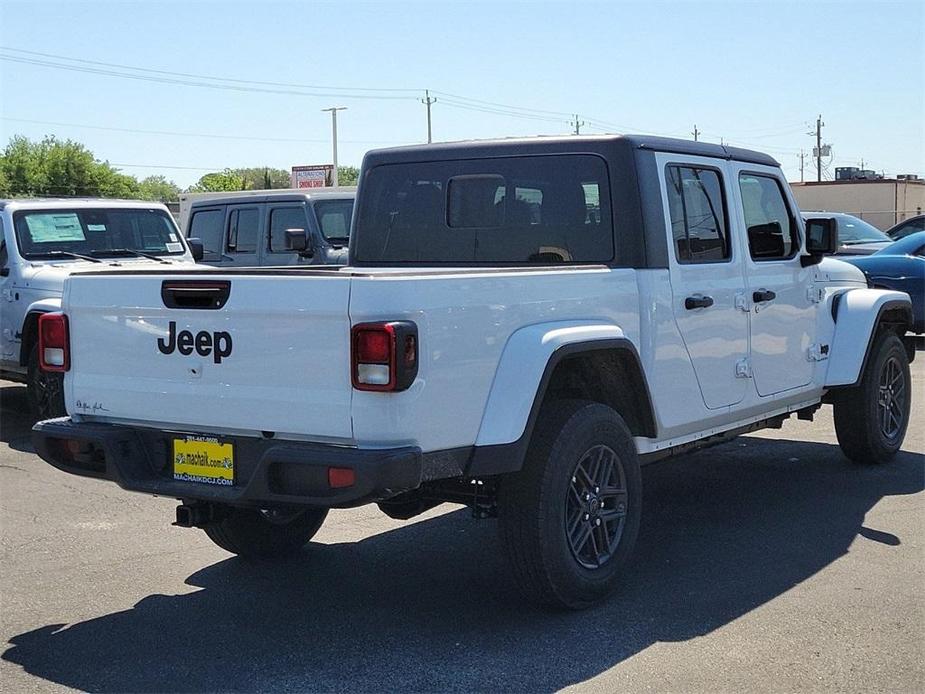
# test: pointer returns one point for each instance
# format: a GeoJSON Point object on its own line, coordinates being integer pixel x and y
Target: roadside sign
{"type": "Point", "coordinates": [313, 176]}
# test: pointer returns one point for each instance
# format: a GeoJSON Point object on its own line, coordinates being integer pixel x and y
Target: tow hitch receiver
{"type": "Point", "coordinates": [196, 515]}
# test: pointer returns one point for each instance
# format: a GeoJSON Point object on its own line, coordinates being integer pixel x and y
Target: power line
{"type": "Point", "coordinates": [467, 107]}
{"type": "Point", "coordinates": [84, 65]}
{"type": "Point", "coordinates": [51, 60]}
{"type": "Point", "coordinates": [205, 77]}
{"type": "Point", "coordinates": [194, 83]}
{"type": "Point", "coordinates": [187, 134]}
{"type": "Point", "coordinates": [503, 106]}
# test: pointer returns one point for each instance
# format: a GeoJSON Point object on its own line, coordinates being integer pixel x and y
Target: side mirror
{"type": "Point", "coordinates": [297, 240]}
{"type": "Point", "coordinates": [196, 248]}
{"type": "Point", "coordinates": [821, 239]}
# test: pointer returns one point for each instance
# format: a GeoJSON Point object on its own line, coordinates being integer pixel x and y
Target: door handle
{"type": "Point", "coordinates": [692, 302]}
{"type": "Point", "coordinates": [763, 295]}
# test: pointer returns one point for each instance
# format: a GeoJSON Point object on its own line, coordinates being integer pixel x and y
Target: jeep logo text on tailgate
{"type": "Point", "coordinates": [218, 344]}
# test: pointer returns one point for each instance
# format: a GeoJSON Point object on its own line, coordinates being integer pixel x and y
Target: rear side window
{"type": "Point", "coordinates": [772, 232]}
{"type": "Point", "coordinates": [207, 225]}
{"type": "Point", "coordinates": [282, 218]}
{"type": "Point", "coordinates": [512, 210]}
{"type": "Point", "coordinates": [243, 230]}
{"type": "Point", "coordinates": [698, 214]}
{"type": "Point", "coordinates": [334, 219]}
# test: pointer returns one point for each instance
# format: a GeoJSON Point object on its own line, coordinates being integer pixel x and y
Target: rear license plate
{"type": "Point", "coordinates": [203, 459]}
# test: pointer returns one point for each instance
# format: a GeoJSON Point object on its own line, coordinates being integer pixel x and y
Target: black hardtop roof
{"type": "Point", "coordinates": [469, 149]}
{"type": "Point", "coordinates": [276, 195]}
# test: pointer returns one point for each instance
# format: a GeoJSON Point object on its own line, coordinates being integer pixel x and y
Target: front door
{"type": "Point", "coordinates": [283, 217]}
{"type": "Point", "coordinates": [783, 310]}
{"type": "Point", "coordinates": [10, 320]}
{"type": "Point", "coordinates": [706, 275]}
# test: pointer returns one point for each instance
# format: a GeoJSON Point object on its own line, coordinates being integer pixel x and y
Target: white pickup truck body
{"type": "Point", "coordinates": [485, 341]}
{"type": "Point", "coordinates": [688, 335]}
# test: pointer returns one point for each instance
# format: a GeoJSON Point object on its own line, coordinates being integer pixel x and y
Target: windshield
{"type": "Point", "coordinates": [852, 230]}
{"type": "Point", "coordinates": [96, 233]}
{"type": "Point", "coordinates": [334, 219]}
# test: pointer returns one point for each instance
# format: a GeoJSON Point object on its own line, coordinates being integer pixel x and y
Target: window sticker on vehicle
{"type": "Point", "coordinates": [173, 237]}
{"type": "Point", "coordinates": [49, 228]}
{"type": "Point", "coordinates": [174, 247]}
{"type": "Point", "coordinates": [96, 227]}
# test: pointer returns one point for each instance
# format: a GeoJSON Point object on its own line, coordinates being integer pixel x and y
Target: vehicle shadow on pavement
{"type": "Point", "coordinates": [430, 606]}
{"type": "Point", "coordinates": [15, 419]}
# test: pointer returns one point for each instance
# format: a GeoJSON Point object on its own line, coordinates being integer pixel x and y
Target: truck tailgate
{"type": "Point", "coordinates": [157, 349]}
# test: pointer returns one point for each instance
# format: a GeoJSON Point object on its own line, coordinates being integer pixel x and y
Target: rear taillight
{"type": "Point", "coordinates": [54, 347]}
{"type": "Point", "coordinates": [384, 356]}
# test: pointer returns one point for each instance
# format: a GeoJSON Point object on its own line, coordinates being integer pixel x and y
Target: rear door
{"type": "Point", "coordinates": [783, 310]}
{"type": "Point", "coordinates": [242, 242]}
{"type": "Point", "coordinates": [706, 274]}
{"type": "Point", "coordinates": [212, 352]}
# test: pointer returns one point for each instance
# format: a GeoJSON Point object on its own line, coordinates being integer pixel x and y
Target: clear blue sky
{"type": "Point", "coordinates": [756, 74]}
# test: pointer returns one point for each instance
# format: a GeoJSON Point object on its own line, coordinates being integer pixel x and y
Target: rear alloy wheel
{"type": "Point", "coordinates": [45, 389]}
{"type": "Point", "coordinates": [596, 510]}
{"type": "Point", "coordinates": [871, 418]}
{"type": "Point", "coordinates": [569, 519]}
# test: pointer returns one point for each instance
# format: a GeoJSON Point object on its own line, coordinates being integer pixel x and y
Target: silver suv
{"type": "Point", "coordinates": [270, 227]}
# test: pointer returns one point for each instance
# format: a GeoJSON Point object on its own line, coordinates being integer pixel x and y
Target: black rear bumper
{"type": "Point", "coordinates": [267, 472]}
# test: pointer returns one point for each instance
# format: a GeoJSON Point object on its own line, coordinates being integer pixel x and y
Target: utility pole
{"type": "Point", "coordinates": [802, 157]}
{"type": "Point", "coordinates": [427, 101]}
{"type": "Point", "coordinates": [818, 150]}
{"type": "Point", "coordinates": [333, 110]}
{"type": "Point", "coordinates": [577, 123]}
{"type": "Point", "coordinates": [695, 133]}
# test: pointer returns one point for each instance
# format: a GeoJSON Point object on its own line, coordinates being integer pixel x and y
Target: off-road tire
{"type": "Point", "coordinates": [44, 389]}
{"type": "Point", "coordinates": [250, 533]}
{"type": "Point", "coordinates": [534, 504]}
{"type": "Point", "coordinates": [859, 410]}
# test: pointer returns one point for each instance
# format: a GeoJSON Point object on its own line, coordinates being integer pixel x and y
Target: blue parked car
{"type": "Point", "coordinates": [900, 266]}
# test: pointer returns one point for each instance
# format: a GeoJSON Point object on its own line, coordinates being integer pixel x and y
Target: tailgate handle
{"type": "Point", "coordinates": [196, 294]}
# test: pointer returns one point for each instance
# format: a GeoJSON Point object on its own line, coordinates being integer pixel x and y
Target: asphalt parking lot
{"type": "Point", "coordinates": [767, 564]}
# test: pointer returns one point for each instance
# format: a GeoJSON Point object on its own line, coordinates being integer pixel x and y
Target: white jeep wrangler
{"type": "Point", "coordinates": [522, 324]}
{"type": "Point", "coordinates": [41, 243]}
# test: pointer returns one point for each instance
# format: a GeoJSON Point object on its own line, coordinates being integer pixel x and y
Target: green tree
{"type": "Point", "coordinates": [158, 188]}
{"type": "Point", "coordinates": [348, 175]}
{"type": "Point", "coordinates": [55, 167]}
{"type": "Point", "coordinates": [264, 178]}
{"type": "Point", "coordinates": [253, 178]}
{"type": "Point", "coordinates": [217, 182]}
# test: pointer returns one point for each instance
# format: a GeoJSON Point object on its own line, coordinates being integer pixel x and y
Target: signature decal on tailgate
{"type": "Point", "coordinates": [218, 344]}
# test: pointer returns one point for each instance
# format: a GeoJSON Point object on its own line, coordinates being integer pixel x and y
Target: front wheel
{"type": "Point", "coordinates": [265, 533]}
{"type": "Point", "coordinates": [45, 389]}
{"type": "Point", "coordinates": [871, 418]}
{"type": "Point", "coordinates": [569, 519]}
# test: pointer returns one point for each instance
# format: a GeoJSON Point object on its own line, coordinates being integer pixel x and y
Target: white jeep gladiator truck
{"type": "Point", "coordinates": [42, 242]}
{"type": "Point", "coordinates": [522, 324]}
